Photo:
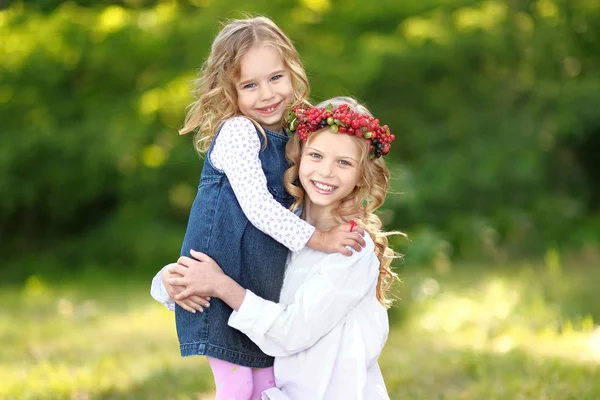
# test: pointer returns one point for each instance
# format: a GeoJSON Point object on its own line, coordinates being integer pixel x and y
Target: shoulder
{"type": "Point", "coordinates": [365, 256]}
{"type": "Point", "coordinates": [239, 124]}
{"type": "Point", "coordinates": [238, 132]}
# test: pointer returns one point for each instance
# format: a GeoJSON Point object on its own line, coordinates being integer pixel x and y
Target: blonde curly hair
{"type": "Point", "coordinates": [365, 199]}
{"type": "Point", "coordinates": [214, 89]}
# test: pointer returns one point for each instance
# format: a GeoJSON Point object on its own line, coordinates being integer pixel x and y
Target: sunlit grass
{"type": "Point", "coordinates": [92, 342]}
{"type": "Point", "coordinates": [519, 332]}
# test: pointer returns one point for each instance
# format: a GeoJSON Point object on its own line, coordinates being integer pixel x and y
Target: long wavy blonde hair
{"type": "Point", "coordinates": [365, 199]}
{"type": "Point", "coordinates": [214, 89]}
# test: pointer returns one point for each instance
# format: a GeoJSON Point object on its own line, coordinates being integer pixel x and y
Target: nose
{"type": "Point", "coordinates": [266, 92]}
{"type": "Point", "coordinates": [326, 169]}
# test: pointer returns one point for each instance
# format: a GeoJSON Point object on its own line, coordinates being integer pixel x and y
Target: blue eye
{"type": "Point", "coordinates": [249, 86]}
{"type": "Point", "coordinates": [277, 77]}
{"type": "Point", "coordinates": [344, 162]}
{"type": "Point", "coordinates": [314, 155]}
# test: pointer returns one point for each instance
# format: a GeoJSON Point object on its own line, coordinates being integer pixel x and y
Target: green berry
{"type": "Point", "coordinates": [330, 121]}
{"type": "Point", "coordinates": [334, 128]}
{"type": "Point", "coordinates": [368, 135]}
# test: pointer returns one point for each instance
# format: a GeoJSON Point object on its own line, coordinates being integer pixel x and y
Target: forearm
{"type": "Point", "coordinates": [231, 292]}
{"type": "Point", "coordinates": [315, 242]}
{"type": "Point", "coordinates": [236, 152]}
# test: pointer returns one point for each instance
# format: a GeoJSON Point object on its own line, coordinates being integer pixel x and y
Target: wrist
{"type": "Point", "coordinates": [220, 287]}
{"type": "Point", "coordinates": [316, 240]}
{"type": "Point", "coordinates": [229, 291]}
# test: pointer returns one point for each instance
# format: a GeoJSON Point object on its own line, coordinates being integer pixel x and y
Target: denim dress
{"type": "Point", "coordinates": [218, 227]}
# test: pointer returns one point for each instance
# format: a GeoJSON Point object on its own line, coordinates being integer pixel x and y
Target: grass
{"type": "Point", "coordinates": [525, 331]}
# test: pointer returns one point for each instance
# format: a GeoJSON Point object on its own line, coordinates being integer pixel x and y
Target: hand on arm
{"type": "Point", "coordinates": [202, 276]}
{"type": "Point", "coordinates": [336, 239]}
{"type": "Point", "coordinates": [189, 303]}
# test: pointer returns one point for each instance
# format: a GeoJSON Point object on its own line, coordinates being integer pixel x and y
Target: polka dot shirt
{"type": "Point", "coordinates": [236, 153]}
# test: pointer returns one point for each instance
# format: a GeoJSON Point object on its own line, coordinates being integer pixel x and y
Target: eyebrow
{"type": "Point", "coordinates": [245, 82]}
{"type": "Point", "coordinates": [317, 150]}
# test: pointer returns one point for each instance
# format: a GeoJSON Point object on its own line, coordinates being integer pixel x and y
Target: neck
{"type": "Point", "coordinates": [321, 217]}
{"type": "Point", "coordinates": [280, 130]}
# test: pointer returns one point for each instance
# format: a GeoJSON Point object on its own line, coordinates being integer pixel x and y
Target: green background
{"type": "Point", "coordinates": [496, 110]}
{"type": "Point", "coordinates": [495, 106]}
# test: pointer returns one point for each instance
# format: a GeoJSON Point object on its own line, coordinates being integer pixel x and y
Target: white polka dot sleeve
{"type": "Point", "coordinates": [236, 153]}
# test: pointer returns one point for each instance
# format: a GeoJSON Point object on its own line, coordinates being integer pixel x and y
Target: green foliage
{"type": "Point", "coordinates": [494, 105]}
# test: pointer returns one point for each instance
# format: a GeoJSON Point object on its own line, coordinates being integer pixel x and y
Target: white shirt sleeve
{"type": "Point", "coordinates": [319, 304]}
{"type": "Point", "coordinates": [158, 291]}
{"type": "Point", "coordinates": [236, 153]}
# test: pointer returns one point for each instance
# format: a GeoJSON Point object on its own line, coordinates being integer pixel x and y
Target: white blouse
{"type": "Point", "coordinates": [327, 330]}
{"type": "Point", "coordinates": [235, 152]}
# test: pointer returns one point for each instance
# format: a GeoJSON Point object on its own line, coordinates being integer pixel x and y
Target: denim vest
{"type": "Point", "coordinates": [218, 227]}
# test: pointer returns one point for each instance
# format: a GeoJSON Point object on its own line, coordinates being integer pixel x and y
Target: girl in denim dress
{"type": "Point", "coordinates": [330, 324]}
{"type": "Point", "coordinates": [240, 215]}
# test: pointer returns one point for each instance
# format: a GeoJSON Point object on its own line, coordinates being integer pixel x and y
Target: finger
{"type": "Point", "coordinates": [178, 269]}
{"type": "Point", "coordinates": [169, 267]}
{"type": "Point", "coordinates": [177, 282]}
{"type": "Point", "coordinates": [177, 289]}
{"type": "Point", "coordinates": [200, 301]}
{"type": "Point", "coordinates": [354, 242]}
{"type": "Point", "coordinates": [191, 303]}
{"type": "Point", "coordinates": [354, 245]}
{"type": "Point", "coordinates": [360, 239]}
{"type": "Point", "coordinates": [359, 230]}
{"type": "Point", "coordinates": [173, 274]}
{"type": "Point", "coordinates": [183, 295]}
{"type": "Point", "coordinates": [185, 262]}
{"type": "Point", "coordinates": [185, 306]}
{"type": "Point", "coordinates": [345, 251]}
{"type": "Point", "coordinates": [198, 255]}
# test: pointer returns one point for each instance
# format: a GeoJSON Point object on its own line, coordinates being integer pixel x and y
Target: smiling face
{"type": "Point", "coordinates": [264, 87]}
{"type": "Point", "coordinates": [330, 168]}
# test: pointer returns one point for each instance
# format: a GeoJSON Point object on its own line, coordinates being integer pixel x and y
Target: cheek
{"type": "Point", "coordinates": [352, 180]}
{"type": "Point", "coordinates": [244, 100]}
{"type": "Point", "coordinates": [302, 172]}
{"type": "Point", "coordinates": [287, 87]}
{"type": "Point", "coordinates": [240, 100]}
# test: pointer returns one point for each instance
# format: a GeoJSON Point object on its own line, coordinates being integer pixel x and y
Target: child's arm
{"type": "Point", "coordinates": [280, 330]}
{"type": "Point", "coordinates": [236, 152]}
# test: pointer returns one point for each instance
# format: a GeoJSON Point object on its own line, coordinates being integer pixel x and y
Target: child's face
{"type": "Point", "coordinates": [264, 87]}
{"type": "Point", "coordinates": [330, 167]}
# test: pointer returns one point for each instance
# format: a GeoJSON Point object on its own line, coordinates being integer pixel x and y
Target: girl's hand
{"type": "Point", "coordinates": [191, 303]}
{"type": "Point", "coordinates": [199, 276]}
{"type": "Point", "coordinates": [336, 239]}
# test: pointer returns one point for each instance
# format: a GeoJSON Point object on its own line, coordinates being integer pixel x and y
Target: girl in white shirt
{"type": "Point", "coordinates": [240, 215]}
{"type": "Point", "coordinates": [330, 324]}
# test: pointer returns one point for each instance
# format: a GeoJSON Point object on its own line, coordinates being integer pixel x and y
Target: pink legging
{"type": "Point", "coordinates": [234, 382]}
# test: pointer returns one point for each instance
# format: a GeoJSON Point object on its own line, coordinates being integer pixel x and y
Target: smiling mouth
{"type": "Point", "coordinates": [269, 109]}
{"type": "Point", "coordinates": [322, 187]}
